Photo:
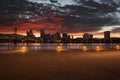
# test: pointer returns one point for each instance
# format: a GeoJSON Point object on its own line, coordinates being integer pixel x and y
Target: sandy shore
{"type": "Point", "coordinates": [65, 65]}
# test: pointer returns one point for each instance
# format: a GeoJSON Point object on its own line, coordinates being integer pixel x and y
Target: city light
{"type": "Point", "coordinates": [85, 48]}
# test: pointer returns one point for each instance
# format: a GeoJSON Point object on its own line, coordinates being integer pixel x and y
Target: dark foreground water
{"type": "Point", "coordinates": [50, 65]}
{"type": "Point", "coordinates": [39, 46]}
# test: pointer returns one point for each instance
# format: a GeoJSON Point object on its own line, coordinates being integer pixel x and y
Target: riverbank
{"type": "Point", "coordinates": [59, 65]}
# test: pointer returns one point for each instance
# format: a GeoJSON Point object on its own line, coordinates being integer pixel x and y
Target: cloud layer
{"type": "Point", "coordinates": [77, 16]}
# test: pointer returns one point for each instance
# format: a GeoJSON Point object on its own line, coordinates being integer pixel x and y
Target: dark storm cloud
{"type": "Point", "coordinates": [84, 16]}
{"type": "Point", "coordinates": [91, 14]}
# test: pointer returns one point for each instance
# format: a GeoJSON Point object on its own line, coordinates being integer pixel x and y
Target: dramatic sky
{"type": "Point", "coordinates": [75, 17]}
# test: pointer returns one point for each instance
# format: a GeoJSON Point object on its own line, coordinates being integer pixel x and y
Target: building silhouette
{"type": "Point", "coordinates": [64, 37]}
{"type": "Point", "coordinates": [56, 37]}
{"type": "Point", "coordinates": [30, 34]}
{"type": "Point", "coordinates": [107, 36]}
{"type": "Point", "coordinates": [48, 37]}
{"type": "Point", "coordinates": [42, 33]}
{"type": "Point", "coordinates": [88, 37]}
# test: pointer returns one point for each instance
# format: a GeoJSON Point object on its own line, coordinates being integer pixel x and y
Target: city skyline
{"type": "Point", "coordinates": [75, 17]}
{"type": "Point", "coordinates": [36, 33]}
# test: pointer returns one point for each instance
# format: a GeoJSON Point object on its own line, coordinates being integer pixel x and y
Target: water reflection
{"type": "Point", "coordinates": [59, 48]}
{"type": "Point", "coordinates": [117, 47]}
{"type": "Point", "coordinates": [56, 46]}
{"type": "Point", "coordinates": [97, 48]}
{"type": "Point", "coordinates": [85, 48]}
{"type": "Point", "coordinates": [23, 49]}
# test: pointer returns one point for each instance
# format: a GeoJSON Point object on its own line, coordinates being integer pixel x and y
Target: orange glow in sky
{"type": "Point", "coordinates": [49, 28]}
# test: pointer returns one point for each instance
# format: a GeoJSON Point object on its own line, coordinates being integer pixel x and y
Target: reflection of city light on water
{"type": "Point", "coordinates": [23, 49]}
{"type": "Point", "coordinates": [85, 48]}
{"type": "Point", "coordinates": [117, 47]}
{"type": "Point", "coordinates": [97, 48]}
{"type": "Point", "coordinates": [59, 48]}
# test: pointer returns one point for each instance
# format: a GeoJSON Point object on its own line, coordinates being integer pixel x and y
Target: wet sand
{"type": "Point", "coordinates": [65, 65]}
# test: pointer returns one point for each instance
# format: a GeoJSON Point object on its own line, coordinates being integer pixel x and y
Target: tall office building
{"type": "Point", "coordinates": [42, 33]}
{"type": "Point", "coordinates": [107, 36]}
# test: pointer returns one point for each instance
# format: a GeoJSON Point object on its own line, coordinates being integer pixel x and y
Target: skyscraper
{"type": "Point", "coordinates": [42, 33]}
{"type": "Point", "coordinates": [107, 36]}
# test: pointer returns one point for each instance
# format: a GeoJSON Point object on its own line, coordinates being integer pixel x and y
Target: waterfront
{"type": "Point", "coordinates": [70, 46]}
